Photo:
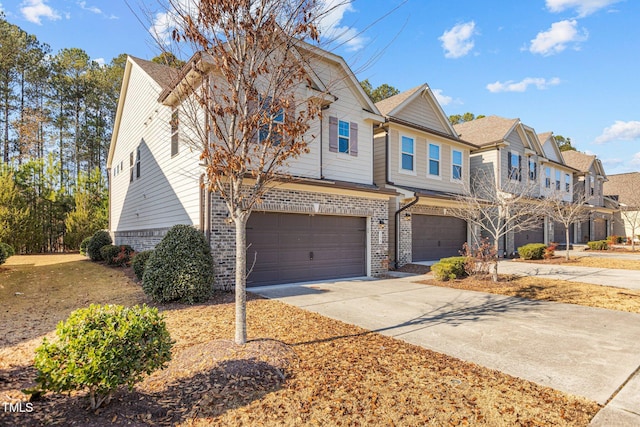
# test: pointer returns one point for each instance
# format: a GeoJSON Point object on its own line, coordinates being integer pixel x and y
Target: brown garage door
{"type": "Point", "coordinates": [435, 237]}
{"type": "Point", "coordinates": [599, 229]}
{"type": "Point", "coordinates": [559, 233]}
{"type": "Point", "coordinates": [291, 248]}
{"type": "Point", "coordinates": [534, 235]}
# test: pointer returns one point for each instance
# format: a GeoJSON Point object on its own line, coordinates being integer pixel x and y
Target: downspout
{"type": "Point", "coordinates": [386, 156]}
{"type": "Point", "coordinates": [397, 226]}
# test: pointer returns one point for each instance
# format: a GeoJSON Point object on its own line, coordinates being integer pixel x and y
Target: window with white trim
{"type": "Point", "coordinates": [276, 121]}
{"type": "Point", "coordinates": [567, 182]}
{"type": "Point", "coordinates": [434, 160]}
{"type": "Point", "coordinates": [456, 164]}
{"type": "Point", "coordinates": [138, 162]}
{"type": "Point", "coordinates": [514, 166]}
{"type": "Point", "coordinates": [407, 157]}
{"type": "Point", "coordinates": [343, 136]}
{"type": "Point", "coordinates": [533, 169]}
{"type": "Point", "coordinates": [558, 175]}
{"type": "Point", "coordinates": [547, 177]}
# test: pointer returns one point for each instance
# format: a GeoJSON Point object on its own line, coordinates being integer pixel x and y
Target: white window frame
{"type": "Point", "coordinates": [453, 165]}
{"type": "Point", "coordinates": [558, 185]}
{"type": "Point", "coordinates": [439, 160]}
{"type": "Point", "coordinates": [348, 137]}
{"type": "Point", "coordinates": [567, 182]}
{"type": "Point", "coordinates": [175, 132]}
{"type": "Point", "coordinates": [532, 162]}
{"type": "Point", "coordinates": [413, 156]}
{"type": "Point", "coordinates": [514, 176]}
{"type": "Point", "coordinates": [547, 177]}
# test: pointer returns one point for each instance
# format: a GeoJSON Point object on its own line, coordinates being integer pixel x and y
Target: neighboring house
{"type": "Point", "coordinates": [418, 154]}
{"type": "Point", "coordinates": [330, 222]}
{"type": "Point", "coordinates": [512, 154]}
{"type": "Point", "coordinates": [624, 189]}
{"type": "Point", "coordinates": [557, 176]}
{"type": "Point", "coordinates": [589, 182]}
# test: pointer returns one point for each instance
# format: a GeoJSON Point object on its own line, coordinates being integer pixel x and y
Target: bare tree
{"type": "Point", "coordinates": [249, 101]}
{"type": "Point", "coordinates": [499, 209]}
{"type": "Point", "coordinates": [631, 216]}
{"type": "Point", "coordinates": [567, 212]}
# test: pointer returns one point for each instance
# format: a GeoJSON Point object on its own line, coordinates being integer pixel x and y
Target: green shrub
{"type": "Point", "coordinates": [139, 261]}
{"type": "Point", "coordinates": [450, 268]}
{"type": "Point", "coordinates": [101, 348]}
{"type": "Point", "coordinates": [8, 249]}
{"type": "Point", "coordinates": [180, 268]}
{"type": "Point", "coordinates": [83, 245]}
{"type": "Point", "coordinates": [117, 255]}
{"type": "Point", "coordinates": [3, 255]}
{"type": "Point", "coordinates": [532, 251]}
{"type": "Point", "coordinates": [109, 253]}
{"type": "Point", "coordinates": [598, 245]}
{"type": "Point", "coordinates": [98, 240]}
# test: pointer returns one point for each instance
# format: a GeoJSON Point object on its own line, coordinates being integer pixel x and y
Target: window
{"type": "Point", "coordinates": [343, 137]}
{"type": "Point", "coordinates": [131, 167]}
{"type": "Point", "coordinates": [558, 180]}
{"type": "Point", "coordinates": [138, 162]}
{"type": "Point", "coordinates": [406, 155]}
{"type": "Point", "coordinates": [591, 182]}
{"type": "Point", "coordinates": [175, 130]}
{"type": "Point", "coordinates": [456, 164]}
{"type": "Point", "coordinates": [434, 160]}
{"type": "Point", "coordinates": [533, 169]}
{"type": "Point", "coordinates": [547, 177]}
{"type": "Point", "coordinates": [276, 120]}
{"type": "Point", "coordinates": [567, 182]}
{"type": "Point", "coordinates": [514, 166]}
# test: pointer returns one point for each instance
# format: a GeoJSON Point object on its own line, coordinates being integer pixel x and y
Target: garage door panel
{"type": "Point", "coordinates": [535, 235]}
{"type": "Point", "coordinates": [435, 237]}
{"type": "Point", "coordinates": [283, 243]}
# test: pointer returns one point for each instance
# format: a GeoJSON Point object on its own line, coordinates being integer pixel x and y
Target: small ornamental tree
{"type": "Point", "coordinates": [101, 348]}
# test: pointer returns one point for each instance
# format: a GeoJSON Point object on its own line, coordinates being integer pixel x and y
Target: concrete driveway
{"type": "Point", "coordinates": [579, 350]}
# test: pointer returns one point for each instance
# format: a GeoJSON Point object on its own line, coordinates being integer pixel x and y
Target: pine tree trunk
{"type": "Point", "coordinates": [241, 278]}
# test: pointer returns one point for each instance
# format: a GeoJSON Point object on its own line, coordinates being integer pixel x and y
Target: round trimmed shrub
{"type": "Point", "coordinates": [450, 268]}
{"type": "Point", "coordinates": [3, 255]}
{"type": "Point", "coordinates": [598, 245]}
{"type": "Point", "coordinates": [180, 268]}
{"type": "Point", "coordinates": [109, 253]}
{"type": "Point", "coordinates": [98, 240]}
{"type": "Point", "coordinates": [101, 348]}
{"type": "Point", "coordinates": [8, 249]}
{"type": "Point", "coordinates": [139, 261]}
{"type": "Point", "coordinates": [83, 245]}
{"type": "Point", "coordinates": [532, 251]}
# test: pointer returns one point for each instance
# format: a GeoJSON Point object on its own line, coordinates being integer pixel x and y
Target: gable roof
{"type": "Point", "coordinates": [161, 74]}
{"type": "Point", "coordinates": [548, 136]}
{"type": "Point", "coordinates": [578, 160]}
{"type": "Point", "coordinates": [625, 186]}
{"type": "Point", "coordinates": [487, 130]}
{"type": "Point", "coordinates": [387, 105]}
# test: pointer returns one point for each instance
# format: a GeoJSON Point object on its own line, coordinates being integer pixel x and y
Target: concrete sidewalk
{"type": "Point", "coordinates": [579, 350]}
{"type": "Point", "coordinates": [629, 279]}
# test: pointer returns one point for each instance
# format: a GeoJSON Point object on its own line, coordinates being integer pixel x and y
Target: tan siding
{"type": "Point", "coordinates": [421, 112]}
{"type": "Point", "coordinates": [379, 160]}
{"type": "Point", "coordinates": [421, 178]}
{"type": "Point", "coordinates": [167, 191]}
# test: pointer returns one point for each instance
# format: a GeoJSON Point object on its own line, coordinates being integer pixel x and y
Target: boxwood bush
{"type": "Point", "coordinates": [532, 251]}
{"type": "Point", "coordinates": [139, 261]}
{"type": "Point", "coordinates": [8, 249]}
{"type": "Point", "coordinates": [450, 268]}
{"type": "Point", "coordinates": [101, 348]}
{"type": "Point", "coordinates": [180, 268]}
{"type": "Point", "coordinates": [109, 253]}
{"type": "Point", "coordinates": [84, 244]}
{"type": "Point", "coordinates": [98, 240]}
{"type": "Point", "coordinates": [598, 245]}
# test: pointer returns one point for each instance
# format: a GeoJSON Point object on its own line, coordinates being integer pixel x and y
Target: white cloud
{"type": "Point", "coordinates": [442, 98]}
{"type": "Point", "coordinates": [635, 160]}
{"type": "Point", "coordinates": [100, 61]}
{"type": "Point", "coordinates": [556, 38]}
{"type": "Point", "coordinates": [620, 131]}
{"type": "Point", "coordinates": [93, 9]}
{"type": "Point", "coordinates": [332, 12]}
{"type": "Point", "coordinates": [165, 22]}
{"type": "Point", "coordinates": [583, 7]}
{"type": "Point", "coordinates": [522, 85]}
{"type": "Point", "coordinates": [34, 10]}
{"type": "Point", "coordinates": [458, 41]}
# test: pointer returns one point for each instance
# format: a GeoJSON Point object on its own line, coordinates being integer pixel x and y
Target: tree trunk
{"type": "Point", "coordinates": [566, 235]}
{"type": "Point", "coordinates": [494, 273]}
{"type": "Point", "coordinates": [241, 278]}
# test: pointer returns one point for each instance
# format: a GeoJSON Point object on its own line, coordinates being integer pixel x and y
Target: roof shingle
{"type": "Point", "coordinates": [578, 160]}
{"type": "Point", "coordinates": [162, 74]}
{"type": "Point", "coordinates": [626, 186]}
{"type": "Point", "coordinates": [485, 131]}
{"type": "Point", "coordinates": [387, 105]}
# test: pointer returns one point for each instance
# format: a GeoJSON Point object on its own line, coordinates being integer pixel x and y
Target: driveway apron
{"type": "Point", "coordinates": [583, 351]}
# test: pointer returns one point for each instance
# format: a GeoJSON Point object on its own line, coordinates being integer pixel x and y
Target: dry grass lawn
{"type": "Point", "coordinates": [299, 369]}
{"type": "Point", "coordinates": [601, 262]}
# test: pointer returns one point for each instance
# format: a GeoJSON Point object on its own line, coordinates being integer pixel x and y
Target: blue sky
{"type": "Point", "coordinates": [567, 66]}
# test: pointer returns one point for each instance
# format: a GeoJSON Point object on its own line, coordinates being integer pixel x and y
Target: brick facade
{"type": "Point", "coordinates": [303, 202]}
{"type": "Point", "coordinates": [140, 240]}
